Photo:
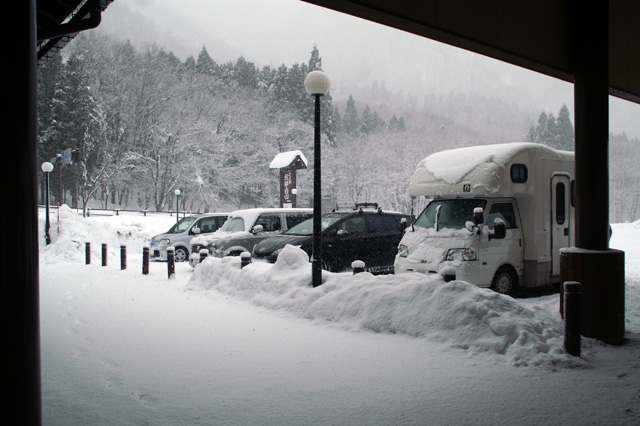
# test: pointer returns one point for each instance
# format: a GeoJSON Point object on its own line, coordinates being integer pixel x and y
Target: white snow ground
{"type": "Point", "coordinates": [259, 346]}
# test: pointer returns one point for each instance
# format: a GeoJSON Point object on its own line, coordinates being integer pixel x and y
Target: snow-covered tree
{"type": "Point", "coordinates": [557, 133]}
{"type": "Point", "coordinates": [205, 65]}
{"type": "Point", "coordinates": [351, 121]}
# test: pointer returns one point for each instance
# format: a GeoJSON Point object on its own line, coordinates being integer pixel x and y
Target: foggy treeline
{"type": "Point", "coordinates": [143, 123]}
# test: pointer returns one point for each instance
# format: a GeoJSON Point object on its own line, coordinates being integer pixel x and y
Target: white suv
{"type": "Point", "coordinates": [244, 229]}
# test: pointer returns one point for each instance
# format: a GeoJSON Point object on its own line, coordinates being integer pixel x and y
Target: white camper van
{"type": "Point", "coordinates": [498, 215]}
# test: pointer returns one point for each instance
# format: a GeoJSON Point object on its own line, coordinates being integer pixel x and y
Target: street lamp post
{"type": "Point", "coordinates": [177, 192]}
{"type": "Point", "coordinates": [317, 84]}
{"type": "Point", "coordinates": [47, 167]}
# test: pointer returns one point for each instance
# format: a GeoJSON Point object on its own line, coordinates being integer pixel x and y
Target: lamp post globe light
{"type": "Point", "coordinates": [317, 84]}
{"type": "Point", "coordinates": [47, 167]}
{"type": "Point", "coordinates": [177, 192]}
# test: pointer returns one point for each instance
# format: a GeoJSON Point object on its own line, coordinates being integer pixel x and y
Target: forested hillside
{"type": "Point", "coordinates": [143, 123]}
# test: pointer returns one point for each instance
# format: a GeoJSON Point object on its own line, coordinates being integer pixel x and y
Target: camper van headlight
{"type": "Point", "coordinates": [403, 251]}
{"type": "Point", "coordinates": [464, 254]}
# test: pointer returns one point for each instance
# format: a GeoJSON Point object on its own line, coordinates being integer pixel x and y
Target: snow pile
{"type": "Point", "coordinates": [457, 314]}
{"type": "Point", "coordinates": [70, 232]}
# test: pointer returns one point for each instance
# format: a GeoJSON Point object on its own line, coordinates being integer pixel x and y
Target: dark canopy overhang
{"type": "Point", "coordinates": [59, 21]}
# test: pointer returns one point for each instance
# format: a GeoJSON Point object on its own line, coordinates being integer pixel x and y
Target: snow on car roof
{"type": "Point", "coordinates": [251, 215]}
{"type": "Point", "coordinates": [453, 165]}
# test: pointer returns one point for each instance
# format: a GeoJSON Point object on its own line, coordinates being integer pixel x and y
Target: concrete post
{"type": "Point", "coordinates": [145, 260]}
{"type": "Point", "coordinates": [123, 257]}
{"type": "Point", "coordinates": [171, 263]}
{"type": "Point", "coordinates": [245, 259]}
{"type": "Point", "coordinates": [104, 255]}
{"type": "Point", "coordinates": [572, 317]}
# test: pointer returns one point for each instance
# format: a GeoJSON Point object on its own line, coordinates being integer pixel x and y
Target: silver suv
{"type": "Point", "coordinates": [180, 235]}
{"type": "Point", "coordinates": [244, 229]}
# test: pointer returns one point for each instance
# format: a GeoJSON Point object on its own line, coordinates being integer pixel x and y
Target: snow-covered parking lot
{"type": "Point", "coordinates": [220, 345]}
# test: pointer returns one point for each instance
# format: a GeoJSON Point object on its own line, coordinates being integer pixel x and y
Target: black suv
{"type": "Point", "coordinates": [363, 233]}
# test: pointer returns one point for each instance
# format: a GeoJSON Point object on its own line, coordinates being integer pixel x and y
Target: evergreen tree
{"type": "Point", "coordinates": [378, 121]}
{"type": "Point", "coordinates": [555, 133]}
{"type": "Point", "coordinates": [565, 135]}
{"type": "Point", "coordinates": [549, 132]}
{"type": "Point", "coordinates": [351, 121]}
{"type": "Point", "coordinates": [401, 126]}
{"type": "Point", "coordinates": [205, 65]}
{"type": "Point", "coordinates": [394, 124]}
{"type": "Point", "coordinates": [246, 73]}
{"type": "Point", "coordinates": [189, 64]}
{"type": "Point", "coordinates": [315, 62]}
{"type": "Point", "coordinates": [367, 122]}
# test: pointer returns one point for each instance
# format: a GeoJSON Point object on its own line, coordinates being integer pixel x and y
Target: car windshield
{"type": "Point", "coordinates": [306, 227]}
{"type": "Point", "coordinates": [233, 224]}
{"type": "Point", "coordinates": [452, 214]}
{"type": "Point", "coordinates": [182, 225]}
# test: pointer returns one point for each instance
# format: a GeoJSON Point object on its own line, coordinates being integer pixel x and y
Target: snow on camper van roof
{"type": "Point", "coordinates": [479, 166]}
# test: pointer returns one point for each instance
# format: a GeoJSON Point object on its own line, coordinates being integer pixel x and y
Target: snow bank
{"type": "Point", "coordinates": [70, 231]}
{"type": "Point", "coordinates": [455, 313]}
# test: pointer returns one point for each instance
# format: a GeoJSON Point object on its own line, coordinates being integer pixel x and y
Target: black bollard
{"type": "Point", "coordinates": [145, 260]}
{"type": "Point", "coordinates": [123, 257]}
{"type": "Point", "coordinates": [357, 266]}
{"type": "Point", "coordinates": [171, 263]}
{"type": "Point", "coordinates": [104, 255]}
{"type": "Point", "coordinates": [449, 274]}
{"type": "Point", "coordinates": [87, 253]}
{"type": "Point", "coordinates": [203, 254]}
{"type": "Point", "coordinates": [572, 317]}
{"type": "Point", "coordinates": [245, 259]}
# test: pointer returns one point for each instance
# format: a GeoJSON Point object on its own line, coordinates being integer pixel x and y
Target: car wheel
{"type": "Point", "coordinates": [181, 254]}
{"type": "Point", "coordinates": [504, 281]}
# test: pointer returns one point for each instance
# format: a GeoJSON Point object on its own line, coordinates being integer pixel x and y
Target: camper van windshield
{"type": "Point", "coordinates": [452, 214]}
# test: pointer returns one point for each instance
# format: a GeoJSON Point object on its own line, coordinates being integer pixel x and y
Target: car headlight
{"type": "Point", "coordinates": [465, 254]}
{"type": "Point", "coordinates": [166, 241]}
{"type": "Point", "coordinates": [403, 251]}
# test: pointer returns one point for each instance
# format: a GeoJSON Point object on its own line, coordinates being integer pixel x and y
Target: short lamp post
{"type": "Point", "coordinates": [317, 84]}
{"type": "Point", "coordinates": [47, 167]}
{"type": "Point", "coordinates": [177, 192]}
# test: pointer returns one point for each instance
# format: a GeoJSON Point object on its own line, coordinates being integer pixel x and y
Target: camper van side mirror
{"type": "Point", "coordinates": [403, 225]}
{"type": "Point", "coordinates": [257, 229]}
{"type": "Point", "coordinates": [499, 230]}
{"type": "Point", "coordinates": [478, 216]}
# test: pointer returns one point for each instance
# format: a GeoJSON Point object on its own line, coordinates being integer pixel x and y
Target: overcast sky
{"type": "Point", "coordinates": [354, 52]}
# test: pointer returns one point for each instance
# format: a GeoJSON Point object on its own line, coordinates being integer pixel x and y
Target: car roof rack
{"type": "Point", "coordinates": [360, 207]}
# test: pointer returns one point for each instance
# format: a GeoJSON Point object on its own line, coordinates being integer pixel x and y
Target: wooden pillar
{"type": "Point", "coordinates": [19, 301]}
{"type": "Point", "coordinates": [599, 269]}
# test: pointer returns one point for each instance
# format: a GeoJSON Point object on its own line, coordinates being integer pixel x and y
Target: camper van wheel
{"type": "Point", "coordinates": [504, 281]}
{"type": "Point", "coordinates": [181, 254]}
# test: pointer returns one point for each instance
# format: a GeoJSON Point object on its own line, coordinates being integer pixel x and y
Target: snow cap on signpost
{"type": "Point", "coordinates": [288, 162]}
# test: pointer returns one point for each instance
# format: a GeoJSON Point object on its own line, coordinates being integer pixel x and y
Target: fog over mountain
{"type": "Point", "coordinates": [358, 55]}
